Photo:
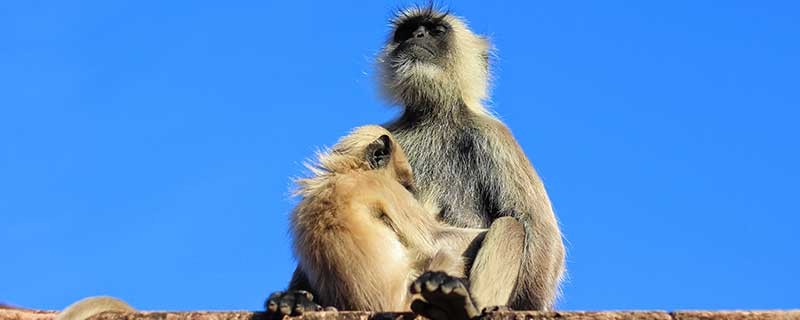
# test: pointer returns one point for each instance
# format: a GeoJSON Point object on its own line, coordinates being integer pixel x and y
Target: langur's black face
{"type": "Point", "coordinates": [422, 38]}
{"type": "Point", "coordinates": [432, 58]}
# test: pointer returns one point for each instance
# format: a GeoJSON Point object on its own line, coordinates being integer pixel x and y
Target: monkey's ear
{"type": "Point", "coordinates": [379, 152]}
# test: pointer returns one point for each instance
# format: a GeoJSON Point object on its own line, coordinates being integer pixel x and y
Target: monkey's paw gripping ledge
{"type": "Point", "coordinates": [19, 314]}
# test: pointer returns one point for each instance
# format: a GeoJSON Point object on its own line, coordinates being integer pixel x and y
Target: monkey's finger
{"type": "Point", "coordinates": [459, 289]}
{"type": "Point", "coordinates": [303, 304]}
{"type": "Point", "coordinates": [272, 302]}
{"type": "Point", "coordinates": [416, 286]}
{"type": "Point", "coordinates": [435, 281]}
{"type": "Point", "coordinates": [272, 306]}
{"type": "Point", "coordinates": [308, 295]}
{"type": "Point", "coordinates": [287, 304]}
{"type": "Point", "coordinates": [448, 286]}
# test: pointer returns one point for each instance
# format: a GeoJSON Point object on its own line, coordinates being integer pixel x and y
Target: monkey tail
{"type": "Point", "coordinates": [88, 307]}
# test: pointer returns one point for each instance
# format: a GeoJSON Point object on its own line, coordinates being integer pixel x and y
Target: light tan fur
{"type": "Point", "coordinates": [88, 307]}
{"type": "Point", "coordinates": [361, 237]}
{"type": "Point", "coordinates": [452, 140]}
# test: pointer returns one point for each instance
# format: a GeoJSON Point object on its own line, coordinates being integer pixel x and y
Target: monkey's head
{"type": "Point", "coordinates": [355, 214]}
{"type": "Point", "coordinates": [366, 148]}
{"type": "Point", "coordinates": [433, 59]}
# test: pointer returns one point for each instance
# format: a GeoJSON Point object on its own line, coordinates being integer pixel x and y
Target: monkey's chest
{"type": "Point", "coordinates": [452, 170]}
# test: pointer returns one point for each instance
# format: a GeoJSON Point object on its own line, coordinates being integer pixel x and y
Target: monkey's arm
{"type": "Point", "coordinates": [517, 191]}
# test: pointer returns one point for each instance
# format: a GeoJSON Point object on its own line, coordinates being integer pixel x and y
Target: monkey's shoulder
{"type": "Point", "coordinates": [489, 138]}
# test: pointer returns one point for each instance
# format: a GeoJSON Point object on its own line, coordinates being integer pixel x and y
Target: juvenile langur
{"type": "Point", "coordinates": [88, 307]}
{"type": "Point", "coordinates": [365, 243]}
{"type": "Point", "coordinates": [468, 167]}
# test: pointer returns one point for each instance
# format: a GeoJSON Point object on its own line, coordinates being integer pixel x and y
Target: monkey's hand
{"type": "Point", "coordinates": [445, 297]}
{"type": "Point", "coordinates": [291, 303]}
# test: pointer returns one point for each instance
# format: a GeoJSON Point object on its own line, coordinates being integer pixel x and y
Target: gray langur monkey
{"type": "Point", "coordinates": [469, 170]}
{"type": "Point", "coordinates": [364, 242]}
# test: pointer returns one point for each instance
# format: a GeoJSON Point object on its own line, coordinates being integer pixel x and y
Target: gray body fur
{"type": "Point", "coordinates": [469, 168]}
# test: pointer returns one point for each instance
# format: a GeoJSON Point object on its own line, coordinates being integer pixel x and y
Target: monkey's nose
{"type": "Point", "coordinates": [421, 32]}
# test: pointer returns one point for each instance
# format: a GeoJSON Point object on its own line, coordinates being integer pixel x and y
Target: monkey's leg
{"type": "Point", "coordinates": [294, 301]}
{"type": "Point", "coordinates": [496, 268]}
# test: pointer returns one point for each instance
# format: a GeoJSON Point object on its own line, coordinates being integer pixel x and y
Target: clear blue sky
{"type": "Point", "coordinates": [146, 147]}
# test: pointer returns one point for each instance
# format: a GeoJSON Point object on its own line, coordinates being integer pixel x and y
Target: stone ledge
{"type": "Point", "coordinates": [24, 314]}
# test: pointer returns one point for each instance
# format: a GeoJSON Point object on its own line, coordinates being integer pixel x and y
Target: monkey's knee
{"type": "Point", "coordinates": [507, 235]}
{"type": "Point", "coordinates": [497, 266]}
{"type": "Point", "coordinates": [505, 239]}
{"type": "Point", "coordinates": [508, 225]}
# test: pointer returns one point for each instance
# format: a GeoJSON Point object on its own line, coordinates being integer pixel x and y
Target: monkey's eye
{"type": "Point", "coordinates": [438, 30]}
{"type": "Point", "coordinates": [403, 33]}
{"type": "Point", "coordinates": [386, 220]}
{"type": "Point", "coordinates": [409, 187]}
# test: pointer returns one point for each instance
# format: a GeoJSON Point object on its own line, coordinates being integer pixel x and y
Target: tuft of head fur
{"type": "Point", "coordinates": [348, 155]}
{"type": "Point", "coordinates": [463, 77]}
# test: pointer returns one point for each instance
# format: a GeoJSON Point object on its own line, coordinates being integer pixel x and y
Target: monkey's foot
{"type": "Point", "coordinates": [445, 297]}
{"type": "Point", "coordinates": [290, 303]}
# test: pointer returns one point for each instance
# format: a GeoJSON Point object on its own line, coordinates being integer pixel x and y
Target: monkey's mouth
{"type": "Point", "coordinates": [415, 51]}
